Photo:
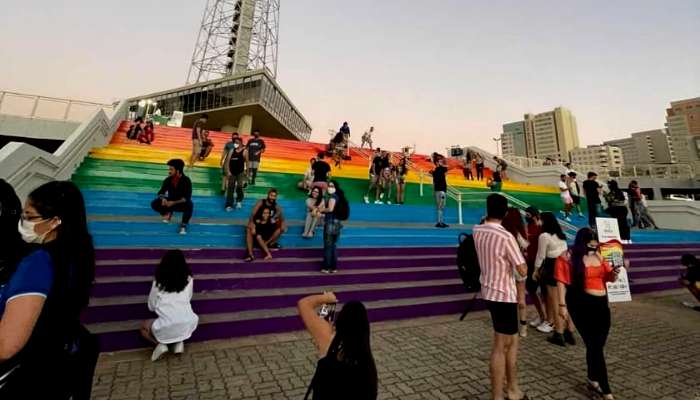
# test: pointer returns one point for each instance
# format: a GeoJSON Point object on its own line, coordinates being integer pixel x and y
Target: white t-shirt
{"type": "Point", "coordinates": [564, 193]}
{"type": "Point", "coordinates": [176, 321]}
{"type": "Point", "coordinates": [549, 246]}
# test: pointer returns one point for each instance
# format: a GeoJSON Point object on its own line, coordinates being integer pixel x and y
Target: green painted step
{"type": "Point", "coordinates": [100, 174]}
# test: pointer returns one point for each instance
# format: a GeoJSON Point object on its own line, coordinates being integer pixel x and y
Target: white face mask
{"type": "Point", "coordinates": [331, 190]}
{"type": "Point", "coordinates": [26, 229]}
{"type": "Point", "coordinates": [235, 145]}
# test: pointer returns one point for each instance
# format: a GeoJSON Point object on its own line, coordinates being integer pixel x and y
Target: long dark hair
{"type": "Point", "coordinates": [319, 199]}
{"type": "Point", "coordinates": [173, 273]}
{"type": "Point", "coordinates": [72, 252]}
{"type": "Point", "coordinates": [578, 250]}
{"type": "Point", "coordinates": [551, 225]}
{"type": "Point", "coordinates": [338, 191]}
{"type": "Point", "coordinates": [351, 343]}
{"type": "Point", "coordinates": [615, 190]}
{"type": "Point", "coordinates": [513, 222]}
{"type": "Point", "coordinates": [12, 247]}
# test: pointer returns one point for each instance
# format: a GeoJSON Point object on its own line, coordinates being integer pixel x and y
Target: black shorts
{"type": "Point", "coordinates": [504, 317]}
{"type": "Point", "coordinates": [547, 274]}
{"type": "Point", "coordinates": [576, 199]}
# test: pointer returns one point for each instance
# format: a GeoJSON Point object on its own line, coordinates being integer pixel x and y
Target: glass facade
{"type": "Point", "coordinates": [233, 92]}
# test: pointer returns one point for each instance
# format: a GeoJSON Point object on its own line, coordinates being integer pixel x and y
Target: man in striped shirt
{"type": "Point", "coordinates": [500, 258]}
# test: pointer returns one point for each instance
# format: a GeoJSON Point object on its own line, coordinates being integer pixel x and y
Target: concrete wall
{"type": "Point", "coordinates": [682, 215]}
{"type": "Point", "coordinates": [11, 125]}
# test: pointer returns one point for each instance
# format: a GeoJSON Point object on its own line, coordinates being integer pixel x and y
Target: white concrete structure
{"type": "Point", "coordinates": [603, 156]}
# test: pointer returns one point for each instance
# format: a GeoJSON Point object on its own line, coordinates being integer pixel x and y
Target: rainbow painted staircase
{"type": "Point", "coordinates": [391, 257]}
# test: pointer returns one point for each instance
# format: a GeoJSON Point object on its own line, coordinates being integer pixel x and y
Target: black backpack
{"type": "Point", "coordinates": [469, 269]}
{"type": "Point", "coordinates": [342, 209]}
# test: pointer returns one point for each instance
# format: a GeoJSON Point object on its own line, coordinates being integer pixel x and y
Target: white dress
{"type": "Point", "coordinates": [176, 321]}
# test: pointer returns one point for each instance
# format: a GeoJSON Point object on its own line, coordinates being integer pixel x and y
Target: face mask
{"type": "Point", "coordinates": [592, 248]}
{"type": "Point", "coordinates": [236, 145]}
{"type": "Point", "coordinates": [26, 230]}
{"type": "Point", "coordinates": [331, 190]}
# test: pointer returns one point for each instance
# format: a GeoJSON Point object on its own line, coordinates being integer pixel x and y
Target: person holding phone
{"type": "Point", "coordinates": [582, 274]}
{"type": "Point", "coordinates": [346, 370]}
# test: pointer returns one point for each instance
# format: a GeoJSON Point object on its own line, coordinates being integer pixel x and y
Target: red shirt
{"type": "Point", "coordinates": [533, 236]}
{"type": "Point", "coordinates": [595, 275]}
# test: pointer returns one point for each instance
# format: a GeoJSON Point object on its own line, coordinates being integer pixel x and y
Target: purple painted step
{"type": "Point", "coordinates": [95, 314]}
{"type": "Point", "coordinates": [122, 340]}
{"type": "Point", "coordinates": [275, 266]}
{"type": "Point", "coordinates": [123, 254]}
{"type": "Point", "coordinates": [139, 288]}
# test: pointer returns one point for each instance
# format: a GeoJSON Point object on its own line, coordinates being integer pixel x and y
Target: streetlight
{"type": "Point", "coordinates": [498, 146]}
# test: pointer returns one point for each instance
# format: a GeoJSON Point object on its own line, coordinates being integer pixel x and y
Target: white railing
{"type": "Point", "coordinates": [48, 108]}
{"type": "Point", "coordinates": [25, 167]}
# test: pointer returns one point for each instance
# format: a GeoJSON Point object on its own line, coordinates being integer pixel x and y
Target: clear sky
{"type": "Point", "coordinates": [434, 73]}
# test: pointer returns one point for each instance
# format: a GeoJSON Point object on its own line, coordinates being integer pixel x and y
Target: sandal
{"type": "Point", "coordinates": [594, 387]}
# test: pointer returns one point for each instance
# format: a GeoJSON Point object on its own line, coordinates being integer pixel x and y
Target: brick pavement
{"type": "Point", "coordinates": [653, 353]}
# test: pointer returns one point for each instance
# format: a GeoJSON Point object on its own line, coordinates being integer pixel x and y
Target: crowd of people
{"type": "Point", "coordinates": [141, 131]}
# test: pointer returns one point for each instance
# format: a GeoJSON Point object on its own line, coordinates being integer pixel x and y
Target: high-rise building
{"type": "Point", "coordinates": [513, 139]}
{"type": "Point", "coordinates": [683, 123]}
{"type": "Point", "coordinates": [603, 156]}
{"type": "Point", "coordinates": [647, 147]}
{"type": "Point", "coordinates": [552, 134]}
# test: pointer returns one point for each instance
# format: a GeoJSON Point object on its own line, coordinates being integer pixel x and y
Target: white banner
{"type": "Point", "coordinates": [619, 290]}
{"type": "Point", "coordinates": [607, 229]}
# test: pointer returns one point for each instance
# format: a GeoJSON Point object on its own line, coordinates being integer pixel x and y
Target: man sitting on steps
{"type": "Point", "coordinates": [276, 217]}
{"type": "Point", "coordinates": [175, 195]}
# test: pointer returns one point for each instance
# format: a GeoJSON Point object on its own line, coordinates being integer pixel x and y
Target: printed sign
{"type": "Point", "coordinates": [607, 229]}
{"type": "Point", "coordinates": [618, 291]}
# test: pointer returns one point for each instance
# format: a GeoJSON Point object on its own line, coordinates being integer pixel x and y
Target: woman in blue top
{"type": "Point", "coordinates": [12, 247]}
{"type": "Point", "coordinates": [41, 340]}
{"type": "Point", "coordinates": [331, 229]}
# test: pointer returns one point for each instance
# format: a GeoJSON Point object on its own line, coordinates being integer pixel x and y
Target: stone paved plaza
{"type": "Point", "coordinates": [653, 353]}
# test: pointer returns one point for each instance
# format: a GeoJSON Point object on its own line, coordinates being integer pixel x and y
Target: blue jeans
{"type": "Point", "coordinates": [331, 234]}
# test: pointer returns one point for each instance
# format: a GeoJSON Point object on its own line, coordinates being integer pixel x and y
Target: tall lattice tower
{"type": "Point", "coordinates": [236, 36]}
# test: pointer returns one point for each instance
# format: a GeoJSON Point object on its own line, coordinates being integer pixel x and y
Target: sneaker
{"type": "Point", "coordinates": [545, 327]}
{"type": "Point", "coordinates": [444, 225]}
{"type": "Point", "coordinates": [688, 304]}
{"type": "Point", "coordinates": [179, 348]}
{"type": "Point", "coordinates": [183, 230]}
{"type": "Point", "coordinates": [159, 351]}
{"type": "Point", "coordinates": [569, 338]}
{"type": "Point", "coordinates": [388, 202]}
{"type": "Point", "coordinates": [557, 339]}
{"type": "Point", "coordinates": [438, 225]}
{"type": "Point", "coordinates": [522, 330]}
{"type": "Point", "coordinates": [378, 202]}
{"type": "Point", "coordinates": [536, 322]}
{"type": "Point", "coordinates": [567, 219]}
{"type": "Point", "coordinates": [562, 212]}
{"type": "Point", "coordinates": [366, 200]}
{"type": "Point", "coordinates": [166, 217]}
{"type": "Point", "coordinates": [325, 271]}
{"type": "Point", "coordinates": [229, 208]}
{"type": "Point", "coordinates": [239, 205]}
{"type": "Point", "coordinates": [333, 271]}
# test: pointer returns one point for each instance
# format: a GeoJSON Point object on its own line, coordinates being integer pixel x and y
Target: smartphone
{"type": "Point", "coordinates": [327, 312]}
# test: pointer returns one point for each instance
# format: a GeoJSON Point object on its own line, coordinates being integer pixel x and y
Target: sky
{"type": "Point", "coordinates": [431, 73]}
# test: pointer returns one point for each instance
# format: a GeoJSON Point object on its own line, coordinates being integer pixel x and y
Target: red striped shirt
{"type": "Point", "coordinates": [498, 254]}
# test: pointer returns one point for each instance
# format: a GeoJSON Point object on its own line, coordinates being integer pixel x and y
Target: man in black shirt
{"type": "Point", "coordinates": [592, 189]}
{"type": "Point", "coordinates": [691, 279]}
{"type": "Point", "coordinates": [235, 173]}
{"type": "Point", "coordinates": [440, 190]}
{"type": "Point", "coordinates": [321, 170]}
{"type": "Point", "coordinates": [256, 147]}
{"type": "Point", "coordinates": [270, 202]}
{"type": "Point", "coordinates": [175, 195]}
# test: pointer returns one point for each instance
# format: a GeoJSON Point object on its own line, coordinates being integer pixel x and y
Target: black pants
{"type": "Point", "coordinates": [591, 315]}
{"type": "Point", "coordinates": [480, 171]}
{"type": "Point", "coordinates": [185, 208]}
{"type": "Point", "coordinates": [620, 213]}
{"type": "Point", "coordinates": [592, 212]}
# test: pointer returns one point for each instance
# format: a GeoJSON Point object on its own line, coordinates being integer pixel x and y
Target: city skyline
{"type": "Point", "coordinates": [451, 73]}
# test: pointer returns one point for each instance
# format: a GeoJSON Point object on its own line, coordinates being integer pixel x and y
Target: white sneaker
{"type": "Point", "coordinates": [159, 351]}
{"type": "Point", "coordinates": [536, 322]}
{"type": "Point", "coordinates": [229, 209]}
{"type": "Point", "coordinates": [179, 348]}
{"type": "Point", "coordinates": [567, 219]}
{"type": "Point", "coordinates": [183, 230]}
{"type": "Point", "coordinates": [377, 202]}
{"type": "Point", "coordinates": [239, 205]}
{"type": "Point", "coordinates": [688, 304]}
{"type": "Point", "coordinates": [366, 200]}
{"type": "Point", "coordinates": [388, 202]}
{"type": "Point", "coordinates": [545, 327]}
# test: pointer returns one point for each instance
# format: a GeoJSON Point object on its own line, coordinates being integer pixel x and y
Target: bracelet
{"type": "Point", "coordinates": [562, 305]}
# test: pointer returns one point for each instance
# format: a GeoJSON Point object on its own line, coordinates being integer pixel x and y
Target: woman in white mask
{"type": "Point", "coordinates": [44, 350]}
